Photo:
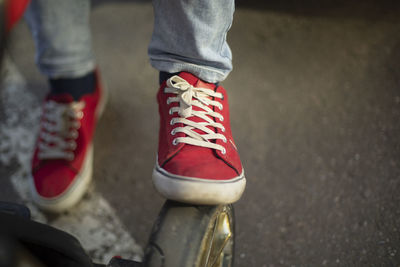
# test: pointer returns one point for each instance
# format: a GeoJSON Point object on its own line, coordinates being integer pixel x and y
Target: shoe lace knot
{"type": "Point", "coordinates": [59, 131]}
{"type": "Point", "coordinates": [200, 132]}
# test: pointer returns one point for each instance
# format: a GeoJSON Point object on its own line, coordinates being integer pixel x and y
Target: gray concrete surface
{"type": "Point", "coordinates": [315, 108]}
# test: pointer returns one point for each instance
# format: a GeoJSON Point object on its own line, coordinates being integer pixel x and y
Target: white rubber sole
{"type": "Point", "coordinates": [82, 181]}
{"type": "Point", "coordinates": [198, 191]}
{"type": "Point", "coordinates": [73, 194]}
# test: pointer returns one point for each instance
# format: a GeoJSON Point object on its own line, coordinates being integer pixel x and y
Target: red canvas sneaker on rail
{"type": "Point", "coordinates": [197, 161]}
{"type": "Point", "coordinates": [62, 162]}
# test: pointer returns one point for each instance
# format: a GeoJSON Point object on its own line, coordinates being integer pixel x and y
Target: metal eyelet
{"type": "Point", "coordinates": [170, 112]}
{"type": "Point", "coordinates": [174, 142]}
{"type": "Point", "coordinates": [72, 145]}
{"type": "Point", "coordinates": [173, 132]}
{"type": "Point", "coordinates": [74, 134]}
{"type": "Point", "coordinates": [70, 156]}
{"type": "Point", "coordinates": [224, 140]}
{"type": "Point", "coordinates": [80, 114]}
{"type": "Point", "coordinates": [168, 101]}
{"type": "Point", "coordinates": [172, 121]}
{"type": "Point", "coordinates": [223, 129]}
{"type": "Point", "coordinates": [222, 118]}
{"type": "Point", "coordinates": [223, 151]}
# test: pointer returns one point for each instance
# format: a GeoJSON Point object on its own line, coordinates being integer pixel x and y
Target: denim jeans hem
{"type": "Point", "coordinates": [70, 71]}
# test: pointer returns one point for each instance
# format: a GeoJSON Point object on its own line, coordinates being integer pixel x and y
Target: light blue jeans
{"type": "Point", "coordinates": [189, 35]}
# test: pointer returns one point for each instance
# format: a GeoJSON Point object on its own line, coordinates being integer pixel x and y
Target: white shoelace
{"type": "Point", "coordinates": [59, 130]}
{"type": "Point", "coordinates": [189, 96]}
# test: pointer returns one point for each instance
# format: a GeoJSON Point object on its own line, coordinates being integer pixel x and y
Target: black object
{"type": "Point", "coordinates": [50, 246]}
{"type": "Point", "coordinates": [15, 209]}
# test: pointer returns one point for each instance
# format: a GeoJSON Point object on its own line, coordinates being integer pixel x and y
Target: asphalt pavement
{"type": "Point", "coordinates": [315, 112]}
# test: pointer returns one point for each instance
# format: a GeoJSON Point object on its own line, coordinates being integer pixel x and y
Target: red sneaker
{"type": "Point", "coordinates": [62, 162]}
{"type": "Point", "coordinates": [197, 159]}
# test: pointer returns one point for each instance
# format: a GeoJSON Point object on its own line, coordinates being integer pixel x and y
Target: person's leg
{"type": "Point", "coordinates": [62, 37]}
{"type": "Point", "coordinates": [197, 159]}
{"type": "Point", "coordinates": [191, 36]}
{"type": "Point", "coordinates": [62, 161]}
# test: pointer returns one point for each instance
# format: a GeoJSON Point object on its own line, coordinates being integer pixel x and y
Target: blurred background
{"type": "Point", "coordinates": [315, 109]}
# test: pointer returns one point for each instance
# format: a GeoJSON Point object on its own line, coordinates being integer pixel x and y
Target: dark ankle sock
{"type": "Point", "coordinates": [77, 87]}
{"type": "Point", "coordinates": [166, 75]}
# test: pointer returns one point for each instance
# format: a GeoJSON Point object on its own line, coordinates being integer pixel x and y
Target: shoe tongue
{"type": "Point", "coordinates": [190, 78]}
{"type": "Point", "coordinates": [196, 82]}
{"type": "Point", "coordinates": [61, 98]}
